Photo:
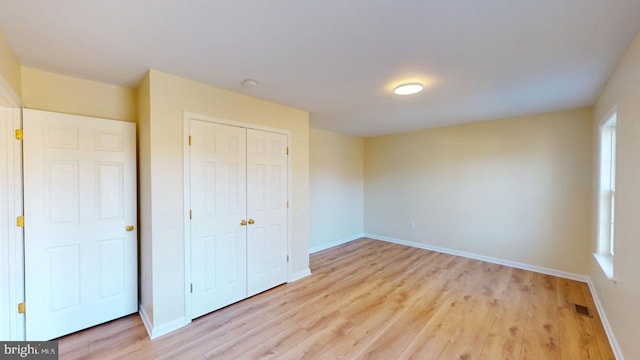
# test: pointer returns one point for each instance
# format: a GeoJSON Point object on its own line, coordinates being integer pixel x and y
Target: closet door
{"type": "Point", "coordinates": [218, 205]}
{"type": "Point", "coordinates": [267, 210]}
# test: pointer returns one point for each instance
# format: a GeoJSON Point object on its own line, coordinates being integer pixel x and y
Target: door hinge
{"type": "Point", "coordinates": [20, 221]}
{"type": "Point", "coordinates": [287, 258]}
{"type": "Point", "coordinates": [190, 215]}
{"type": "Point", "coordinates": [18, 134]}
{"type": "Point", "coordinates": [287, 204]}
{"type": "Point", "coordinates": [189, 140]}
{"type": "Point", "coordinates": [21, 308]}
{"type": "Point", "coordinates": [287, 150]}
{"type": "Point", "coordinates": [192, 288]}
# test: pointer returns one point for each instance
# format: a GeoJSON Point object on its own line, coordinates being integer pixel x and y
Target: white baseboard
{"type": "Point", "coordinates": [299, 275]}
{"type": "Point", "coordinates": [515, 264]}
{"type": "Point", "coordinates": [156, 332]}
{"type": "Point", "coordinates": [617, 351]}
{"type": "Point", "coordinates": [145, 320]}
{"type": "Point", "coordinates": [335, 243]}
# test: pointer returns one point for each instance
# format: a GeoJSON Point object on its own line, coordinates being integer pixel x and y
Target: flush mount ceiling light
{"type": "Point", "coordinates": [408, 89]}
{"type": "Point", "coordinates": [249, 83]}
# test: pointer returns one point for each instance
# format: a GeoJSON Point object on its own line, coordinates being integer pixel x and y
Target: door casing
{"type": "Point", "coordinates": [11, 243]}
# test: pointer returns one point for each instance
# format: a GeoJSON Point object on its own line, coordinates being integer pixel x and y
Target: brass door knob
{"type": "Point", "coordinates": [129, 228]}
{"type": "Point", "coordinates": [243, 222]}
{"type": "Point", "coordinates": [251, 222]}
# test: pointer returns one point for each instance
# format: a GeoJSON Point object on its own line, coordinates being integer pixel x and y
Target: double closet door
{"type": "Point", "coordinates": [238, 194]}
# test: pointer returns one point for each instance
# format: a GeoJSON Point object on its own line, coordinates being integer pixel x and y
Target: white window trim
{"type": "Point", "coordinates": [606, 264]}
{"type": "Point", "coordinates": [603, 255]}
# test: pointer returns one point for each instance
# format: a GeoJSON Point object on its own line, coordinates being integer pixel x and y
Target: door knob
{"type": "Point", "coordinates": [251, 222]}
{"type": "Point", "coordinates": [129, 228]}
{"type": "Point", "coordinates": [243, 222]}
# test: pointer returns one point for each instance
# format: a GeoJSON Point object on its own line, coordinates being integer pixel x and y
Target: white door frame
{"type": "Point", "coordinates": [11, 252]}
{"type": "Point", "coordinates": [187, 117]}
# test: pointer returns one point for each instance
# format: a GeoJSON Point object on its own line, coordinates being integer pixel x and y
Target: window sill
{"type": "Point", "coordinates": [606, 264]}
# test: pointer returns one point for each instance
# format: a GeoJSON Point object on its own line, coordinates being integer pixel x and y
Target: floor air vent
{"type": "Point", "coordinates": [582, 310]}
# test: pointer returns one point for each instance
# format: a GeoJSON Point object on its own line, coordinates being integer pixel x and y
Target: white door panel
{"type": "Point", "coordinates": [80, 194]}
{"type": "Point", "coordinates": [267, 206]}
{"type": "Point", "coordinates": [236, 174]}
{"type": "Point", "coordinates": [218, 204]}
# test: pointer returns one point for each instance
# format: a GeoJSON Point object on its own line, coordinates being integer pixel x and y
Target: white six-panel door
{"type": "Point", "coordinates": [218, 205]}
{"type": "Point", "coordinates": [238, 181]}
{"type": "Point", "coordinates": [80, 216]}
{"type": "Point", "coordinates": [267, 210]}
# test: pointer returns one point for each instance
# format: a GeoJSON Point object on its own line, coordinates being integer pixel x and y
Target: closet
{"type": "Point", "coordinates": [237, 185]}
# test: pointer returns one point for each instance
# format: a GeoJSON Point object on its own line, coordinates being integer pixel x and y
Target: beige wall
{"type": "Point", "coordinates": [170, 97]}
{"type": "Point", "coordinates": [620, 299]}
{"type": "Point", "coordinates": [336, 193]}
{"type": "Point", "coordinates": [44, 90]}
{"type": "Point", "coordinates": [515, 189]}
{"type": "Point", "coordinates": [144, 196]}
{"type": "Point", "coordinates": [9, 66]}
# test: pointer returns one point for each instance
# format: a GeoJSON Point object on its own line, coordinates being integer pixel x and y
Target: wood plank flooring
{"type": "Point", "coordinates": [373, 300]}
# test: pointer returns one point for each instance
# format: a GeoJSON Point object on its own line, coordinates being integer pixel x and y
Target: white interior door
{"type": "Point", "coordinates": [218, 205]}
{"type": "Point", "coordinates": [80, 195]}
{"type": "Point", "coordinates": [267, 210]}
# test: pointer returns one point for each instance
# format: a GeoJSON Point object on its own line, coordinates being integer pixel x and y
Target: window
{"type": "Point", "coordinates": [607, 195]}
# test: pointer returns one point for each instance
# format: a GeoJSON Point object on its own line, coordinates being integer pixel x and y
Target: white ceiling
{"type": "Point", "coordinates": [339, 59]}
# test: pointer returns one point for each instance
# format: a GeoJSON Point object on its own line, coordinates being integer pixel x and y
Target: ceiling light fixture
{"type": "Point", "coordinates": [408, 89]}
{"type": "Point", "coordinates": [249, 83]}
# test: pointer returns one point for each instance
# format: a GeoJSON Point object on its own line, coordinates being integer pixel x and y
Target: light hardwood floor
{"type": "Point", "coordinates": [374, 300]}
